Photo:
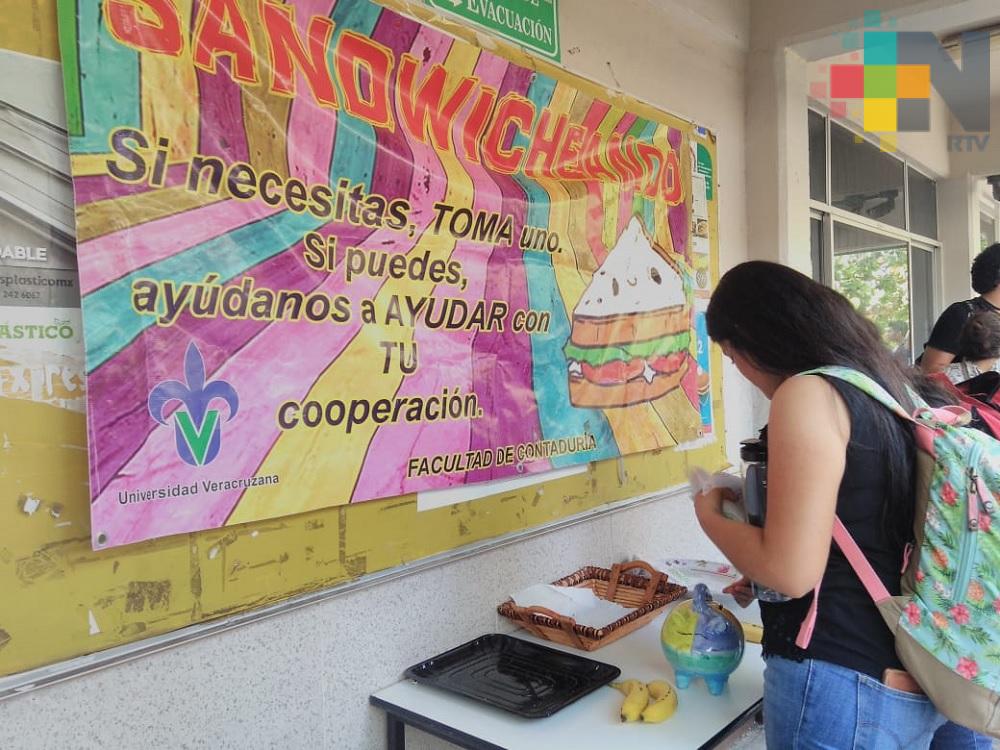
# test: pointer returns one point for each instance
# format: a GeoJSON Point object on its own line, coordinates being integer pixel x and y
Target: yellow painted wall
{"type": "Point", "coordinates": [59, 599]}
{"type": "Point", "coordinates": [29, 26]}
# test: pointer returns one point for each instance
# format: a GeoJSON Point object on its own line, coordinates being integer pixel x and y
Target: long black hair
{"type": "Point", "coordinates": [786, 323]}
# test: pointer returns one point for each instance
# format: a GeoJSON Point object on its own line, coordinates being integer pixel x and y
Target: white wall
{"type": "Point", "coordinates": [813, 27]}
{"type": "Point", "coordinates": [987, 161]}
{"type": "Point", "coordinates": [302, 680]}
{"type": "Point", "coordinates": [958, 209]}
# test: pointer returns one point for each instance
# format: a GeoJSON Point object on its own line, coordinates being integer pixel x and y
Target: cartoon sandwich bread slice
{"type": "Point", "coordinates": [631, 332]}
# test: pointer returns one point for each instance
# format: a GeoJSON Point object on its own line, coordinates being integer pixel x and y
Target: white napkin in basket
{"type": "Point", "coordinates": [579, 603]}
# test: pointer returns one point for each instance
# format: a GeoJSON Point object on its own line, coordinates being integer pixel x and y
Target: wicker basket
{"type": "Point", "coordinates": [646, 595]}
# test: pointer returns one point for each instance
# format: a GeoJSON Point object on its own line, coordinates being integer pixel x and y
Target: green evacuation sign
{"type": "Point", "coordinates": [531, 23]}
{"type": "Point", "coordinates": [704, 167]}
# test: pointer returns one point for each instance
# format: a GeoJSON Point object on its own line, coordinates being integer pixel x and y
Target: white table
{"type": "Point", "coordinates": [592, 722]}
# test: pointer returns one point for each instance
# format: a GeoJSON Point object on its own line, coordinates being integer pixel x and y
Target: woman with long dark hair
{"type": "Point", "coordinates": [831, 450]}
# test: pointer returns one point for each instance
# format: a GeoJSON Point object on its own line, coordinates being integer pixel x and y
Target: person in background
{"type": "Point", "coordinates": [831, 450]}
{"type": "Point", "coordinates": [944, 347]}
{"type": "Point", "coordinates": [980, 346]}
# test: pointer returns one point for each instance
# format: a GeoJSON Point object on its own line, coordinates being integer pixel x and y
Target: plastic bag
{"type": "Point", "coordinates": [701, 481]}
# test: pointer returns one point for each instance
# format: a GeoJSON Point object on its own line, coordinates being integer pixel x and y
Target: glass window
{"type": "Point", "coordinates": [922, 276]}
{"type": "Point", "coordinates": [865, 180]}
{"type": "Point", "coordinates": [987, 231]}
{"type": "Point", "coordinates": [923, 203]}
{"type": "Point", "coordinates": [816, 246]}
{"type": "Point", "coordinates": [873, 272]}
{"type": "Point", "coordinates": [817, 156]}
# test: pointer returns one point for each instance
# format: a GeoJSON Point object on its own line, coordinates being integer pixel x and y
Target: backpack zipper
{"type": "Point", "coordinates": [967, 554]}
{"type": "Point", "coordinates": [976, 500]}
{"type": "Point", "coordinates": [970, 539]}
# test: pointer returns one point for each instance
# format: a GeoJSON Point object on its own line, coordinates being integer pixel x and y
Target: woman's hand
{"type": "Point", "coordinates": [804, 472]}
{"type": "Point", "coordinates": [710, 503]}
{"type": "Point", "coordinates": [741, 591]}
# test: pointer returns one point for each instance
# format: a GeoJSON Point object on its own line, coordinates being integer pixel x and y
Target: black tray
{"type": "Point", "coordinates": [524, 678]}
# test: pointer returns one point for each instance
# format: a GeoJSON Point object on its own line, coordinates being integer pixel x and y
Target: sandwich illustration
{"type": "Point", "coordinates": [631, 334]}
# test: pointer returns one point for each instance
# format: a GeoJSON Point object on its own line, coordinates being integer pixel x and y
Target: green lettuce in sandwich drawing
{"type": "Point", "coordinates": [631, 336]}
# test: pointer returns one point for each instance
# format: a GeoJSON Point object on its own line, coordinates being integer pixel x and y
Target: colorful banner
{"type": "Point", "coordinates": [329, 253]}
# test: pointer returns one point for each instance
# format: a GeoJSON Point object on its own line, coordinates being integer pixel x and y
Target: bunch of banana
{"type": "Point", "coordinates": [652, 702]}
{"type": "Point", "coordinates": [752, 632]}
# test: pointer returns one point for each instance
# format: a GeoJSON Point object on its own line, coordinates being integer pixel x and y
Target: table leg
{"type": "Point", "coordinates": [395, 732]}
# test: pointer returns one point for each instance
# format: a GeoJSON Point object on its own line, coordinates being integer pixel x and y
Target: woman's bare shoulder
{"type": "Point", "coordinates": [806, 400]}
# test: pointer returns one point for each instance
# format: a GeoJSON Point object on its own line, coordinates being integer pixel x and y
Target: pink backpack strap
{"type": "Point", "coordinates": [862, 568]}
{"type": "Point", "coordinates": [806, 629]}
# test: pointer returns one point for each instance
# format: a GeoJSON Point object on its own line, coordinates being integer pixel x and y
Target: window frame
{"type": "Point", "coordinates": [858, 133]}
{"type": "Point", "coordinates": [828, 214]}
{"type": "Point", "coordinates": [990, 209]}
{"type": "Point", "coordinates": [910, 166]}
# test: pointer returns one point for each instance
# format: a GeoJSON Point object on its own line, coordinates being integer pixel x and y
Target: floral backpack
{"type": "Point", "coordinates": [947, 621]}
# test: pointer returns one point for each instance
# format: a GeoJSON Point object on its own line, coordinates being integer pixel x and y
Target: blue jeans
{"type": "Point", "coordinates": [814, 705]}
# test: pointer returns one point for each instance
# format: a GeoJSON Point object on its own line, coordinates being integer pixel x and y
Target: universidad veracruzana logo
{"type": "Point", "coordinates": [197, 428]}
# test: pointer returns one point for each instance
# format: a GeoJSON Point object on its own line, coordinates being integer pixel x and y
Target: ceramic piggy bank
{"type": "Point", "coordinates": [702, 639]}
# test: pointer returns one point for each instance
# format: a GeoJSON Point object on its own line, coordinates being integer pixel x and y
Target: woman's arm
{"type": "Point", "coordinates": [935, 360]}
{"type": "Point", "coordinates": [946, 337]}
{"type": "Point", "coordinates": [808, 431]}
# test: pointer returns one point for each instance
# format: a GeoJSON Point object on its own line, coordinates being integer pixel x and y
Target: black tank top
{"type": "Point", "coordinates": [849, 630]}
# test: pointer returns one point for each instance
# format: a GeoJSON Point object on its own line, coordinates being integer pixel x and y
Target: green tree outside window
{"type": "Point", "coordinates": [877, 282]}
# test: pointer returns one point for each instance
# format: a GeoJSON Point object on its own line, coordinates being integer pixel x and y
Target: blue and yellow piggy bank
{"type": "Point", "coordinates": [702, 639]}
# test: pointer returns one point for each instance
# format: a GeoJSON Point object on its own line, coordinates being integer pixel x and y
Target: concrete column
{"type": "Point", "coordinates": [958, 218]}
{"type": "Point", "coordinates": [778, 158]}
